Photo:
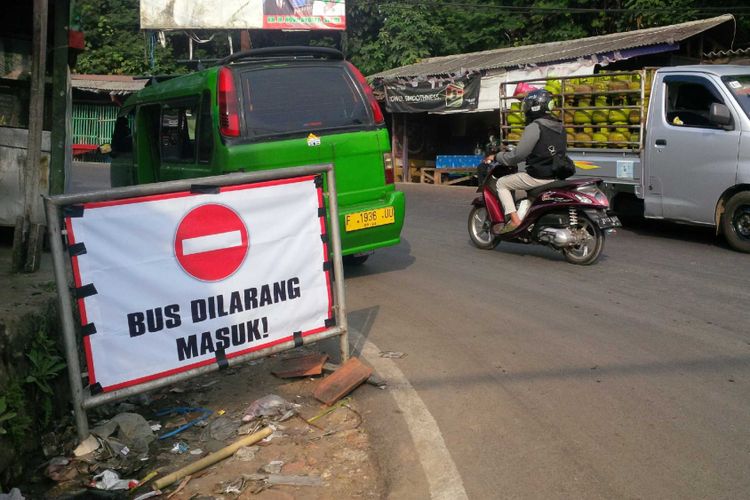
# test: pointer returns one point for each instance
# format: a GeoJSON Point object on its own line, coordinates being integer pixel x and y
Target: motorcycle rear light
{"type": "Point", "coordinates": [229, 117]}
{"type": "Point", "coordinates": [377, 113]}
{"type": "Point", "coordinates": [388, 168]}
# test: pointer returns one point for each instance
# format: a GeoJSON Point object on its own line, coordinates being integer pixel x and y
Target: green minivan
{"type": "Point", "coordinates": [263, 109]}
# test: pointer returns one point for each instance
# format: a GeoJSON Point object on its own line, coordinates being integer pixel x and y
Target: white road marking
{"type": "Point", "coordinates": [211, 242]}
{"type": "Point", "coordinates": [442, 475]}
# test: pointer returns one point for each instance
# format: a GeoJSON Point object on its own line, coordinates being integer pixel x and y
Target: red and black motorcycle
{"type": "Point", "coordinates": [569, 215]}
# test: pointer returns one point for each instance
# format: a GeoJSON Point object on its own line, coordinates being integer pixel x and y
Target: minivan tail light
{"type": "Point", "coordinates": [229, 117]}
{"type": "Point", "coordinates": [376, 111]}
{"type": "Point", "coordinates": [388, 167]}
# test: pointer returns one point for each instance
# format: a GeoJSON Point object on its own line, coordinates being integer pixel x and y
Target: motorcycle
{"type": "Point", "coordinates": [569, 216]}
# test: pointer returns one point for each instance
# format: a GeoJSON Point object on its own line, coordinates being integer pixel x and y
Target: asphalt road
{"type": "Point", "coordinates": [626, 379]}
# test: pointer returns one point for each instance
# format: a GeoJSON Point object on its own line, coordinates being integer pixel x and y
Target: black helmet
{"type": "Point", "coordinates": [536, 104]}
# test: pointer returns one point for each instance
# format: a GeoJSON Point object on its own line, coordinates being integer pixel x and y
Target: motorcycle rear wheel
{"type": "Point", "coordinates": [480, 229]}
{"type": "Point", "coordinates": [588, 251]}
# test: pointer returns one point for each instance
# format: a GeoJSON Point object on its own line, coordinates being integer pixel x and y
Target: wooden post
{"type": "Point", "coordinates": [33, 215]}
{"type": "Point", "coordinates": [60, 88]}
{"type": "Point", "coordinates": [394, 150]}
{"type": "Point", "coordinates": [405, 149]}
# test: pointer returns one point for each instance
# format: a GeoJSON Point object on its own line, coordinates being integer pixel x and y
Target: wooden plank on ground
{"type": "Point", "coordinates": [342, 381]}
{"type": "Point", "coordinates": [303, 366]}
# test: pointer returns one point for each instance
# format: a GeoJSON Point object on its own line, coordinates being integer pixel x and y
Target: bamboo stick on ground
{"type": "Point", "coordinates": [212, 458]}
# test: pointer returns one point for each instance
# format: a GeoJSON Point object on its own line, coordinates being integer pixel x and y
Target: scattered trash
{"type": "Point", "coordinates": [220, 429]}
{"type": "Point", "coordinates": [209, 384]}
{"type": "Point", "coordinates": [183, 410]}
{"type": "Point", "coordinates": [135, 431]}
{"type": "Point", "coordinates": [181, 486]}
{"type": "Point", "coordinates": [235, 487]}
{"type": "Point", "coordinates": [14, 494]}
{"type": "Point", "coordinates": [302, 366]}
{"type": "Point", "coordinates": [155, 427]}
{"type": "Point", "coordinates": [273, 467]}
{"type": "Point", "coordinates": [282, 479]}
{"type": "Point", "coordinates": [196, 451]}
{"type": "Point", "coordinates": [249, 428]}
{"type": "Point", "coordinates": [341, 382]}
{"type": "Point", "coordinates": [392, 354]}
{"type": "Point", "coordinates": [269, 406]}
{"type": "Point", "coordinates": [246, 453]}
{"type": "Point", "coordinates": [87, 446]}
{"type": "Point", "coordinates": [342, 402]}
{"type": "Point", "coordinates": [211, 459]}
{"type": "Point", "coordinates": [179, 448]}
{"type": "Point", "coordinates": [150, 494]}
{"type": "Point", "coordinates": [176, 390]}
{"type": "Point", "coordinates": [110, 480]}
{"type": "Point", "coordinates": [50, 445]}
{"type": "Point", "coordinates": [60, 469]}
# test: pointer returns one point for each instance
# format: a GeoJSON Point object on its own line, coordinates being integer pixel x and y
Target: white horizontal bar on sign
{"type": "Point", "coordinates": [211, 242]}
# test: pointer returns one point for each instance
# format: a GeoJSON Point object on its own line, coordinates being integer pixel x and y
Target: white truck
{"type": "Point", "coordinates": [672, 144]}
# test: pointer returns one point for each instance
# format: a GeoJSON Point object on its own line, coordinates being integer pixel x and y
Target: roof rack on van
{"type": "Point", "coordinates": [284, 52]}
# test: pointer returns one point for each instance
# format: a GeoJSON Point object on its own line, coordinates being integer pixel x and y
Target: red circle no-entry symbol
{"type": "Point", "coordinates": [211, 242]}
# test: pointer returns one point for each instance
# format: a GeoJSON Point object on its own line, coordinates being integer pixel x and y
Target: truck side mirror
{"type": "Point", "coordinates": [719, 114]}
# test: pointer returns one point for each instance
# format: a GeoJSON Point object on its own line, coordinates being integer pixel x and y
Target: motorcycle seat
{"type": "Point", "coordinates": [567, 183]}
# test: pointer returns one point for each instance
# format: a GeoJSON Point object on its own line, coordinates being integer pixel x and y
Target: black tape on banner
{"type": "Point", "coordinates": [331, 321]}
{"type": "Point", "coordinates": [327, 265]}
{"type": "Point", "coordinates": [322, 211]}
{"type": "Point", "coordinates": [297, 339]}
{"type": "Point", "coordinates": [324, 238]}
{"type": "Point", "coordinates": [77, 249]}
{"type": "Point", "coordinates": [73, 211]}
{"type": "Point", "coordinates": [96, 389]}
{"type": "Point", "coordinates": [221, 359]}
{"type": "Point", "coordinates": [204, 189]}
{"type": "Point", "coordinates": [318, 181]}
{"type": "Point", "coordinates": [85, 291]}
{"type": "Point", "coordinates": [88, 329]}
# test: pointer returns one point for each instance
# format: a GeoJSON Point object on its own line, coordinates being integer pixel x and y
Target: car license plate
{"type": "Point", "coordinates": [370, 218]}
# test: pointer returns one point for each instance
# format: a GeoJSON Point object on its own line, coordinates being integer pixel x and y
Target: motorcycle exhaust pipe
{"type": "Point", "coordinates": [556, 236]}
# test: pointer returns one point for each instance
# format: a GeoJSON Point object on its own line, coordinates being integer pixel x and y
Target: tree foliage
{"type": "Point", "coordinates": [384, 34]}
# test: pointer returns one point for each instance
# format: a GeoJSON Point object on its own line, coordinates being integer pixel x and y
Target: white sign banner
{"type": "Point", "coordinates": [243, 14]}
{"type": "Point", "coordinates": [171, 282]}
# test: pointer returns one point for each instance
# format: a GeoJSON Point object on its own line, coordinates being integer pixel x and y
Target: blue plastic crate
{"type": "Point", "coordinates": [457, 161]}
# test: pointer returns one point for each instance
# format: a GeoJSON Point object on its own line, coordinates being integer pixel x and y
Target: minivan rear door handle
{"type": "Point", "coordinates": [661, 142]}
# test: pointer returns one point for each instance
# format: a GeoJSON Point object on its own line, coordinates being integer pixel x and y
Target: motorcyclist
{"type": "Point", "coordinates": [543, 137]}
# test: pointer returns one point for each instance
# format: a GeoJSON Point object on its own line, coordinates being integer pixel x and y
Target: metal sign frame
{"type": "Point", "coordinates": [82, 397]}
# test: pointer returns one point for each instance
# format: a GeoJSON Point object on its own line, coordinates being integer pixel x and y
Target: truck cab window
{"type": "Point", "coordinates": [689, 102]}
{"type": "Point", "coordinates": [177, 133]}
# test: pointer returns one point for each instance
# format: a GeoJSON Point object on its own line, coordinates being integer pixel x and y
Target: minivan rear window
{"type": "Point", "coordinates": [301, 99]}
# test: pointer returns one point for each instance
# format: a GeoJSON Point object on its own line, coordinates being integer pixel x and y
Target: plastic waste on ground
{"type": "Point", "coordinates": [110, 480]}
{"type": "Point", "coordinates": [272, 406]}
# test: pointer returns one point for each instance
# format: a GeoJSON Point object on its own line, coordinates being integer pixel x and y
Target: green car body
{"type": "Point", "coordinates": [267, 110]}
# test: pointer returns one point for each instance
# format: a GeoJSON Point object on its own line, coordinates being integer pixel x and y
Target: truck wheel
{"type": "Point", "coordinates": [735, 223]}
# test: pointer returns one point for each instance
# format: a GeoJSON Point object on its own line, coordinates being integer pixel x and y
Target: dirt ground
{"type": "Point", "coordinates": [326, 446]}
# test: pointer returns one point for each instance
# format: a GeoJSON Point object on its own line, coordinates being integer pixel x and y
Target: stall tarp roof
{"type": "Point", "coordinates": [544, 53]}
{"type": "Point", "coordinates": [107, 84]}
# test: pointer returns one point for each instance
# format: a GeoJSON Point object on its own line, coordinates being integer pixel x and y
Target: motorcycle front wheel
{"type": "Point", "coordinates": [480, 229]}
{"type": "Point", "coordinates": [588, 250]}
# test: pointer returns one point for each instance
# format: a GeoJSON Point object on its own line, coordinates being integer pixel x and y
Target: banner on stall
{"type": "Point", "coordinates": [243, 14]}
{"type": "Point", "coordinates": [432, 96]}
{"type": "Point", "coordinates": [171, 282]}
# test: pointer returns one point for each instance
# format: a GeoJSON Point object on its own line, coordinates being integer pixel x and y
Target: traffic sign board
{"type": "Point", "coordinates": [211, 242]}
